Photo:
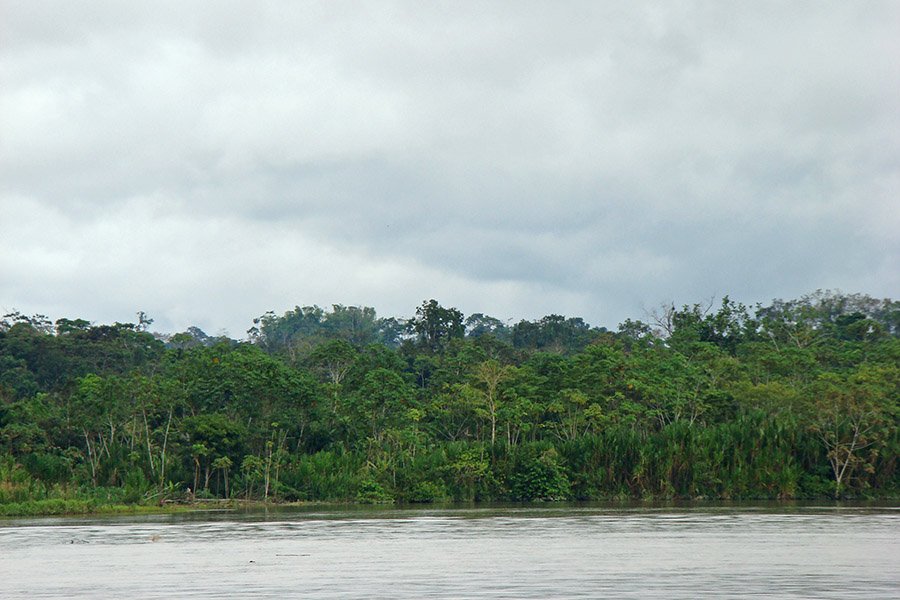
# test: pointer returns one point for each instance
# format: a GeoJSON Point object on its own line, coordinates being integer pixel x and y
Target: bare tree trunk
{"type": "Point", "coordinates": [493, 423]}
{"type": "Point", "coordinates": [149, 448]}
{"type": "Point", "coordinates": [268, 467]}
{"type": "Point", "coordinates": [162, 460]}
{"type": "Point", "coordinates": [92, 458]}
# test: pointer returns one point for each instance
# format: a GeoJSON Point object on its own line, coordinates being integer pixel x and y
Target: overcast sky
{"type": "Point", "coordinates": [208, 161]}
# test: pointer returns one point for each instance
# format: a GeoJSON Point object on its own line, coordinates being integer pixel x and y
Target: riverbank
{"type": "Point", "coordinates": [62, 507]}
{"type": "Point", "coordinates": [58, 506]}
{"type": "Point", "coordinates": [79, 507]}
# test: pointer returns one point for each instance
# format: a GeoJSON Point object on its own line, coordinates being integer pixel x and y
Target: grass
{"type": "Point", "coordinates": [74, 507]}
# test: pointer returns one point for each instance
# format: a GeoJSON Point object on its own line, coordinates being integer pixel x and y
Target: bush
{"type": "Point", "coordinates": [426, 492]}
{"type": "Point", "coordinates": [540, 478]}
{"type": "Point", "coordinates": [372, 492]}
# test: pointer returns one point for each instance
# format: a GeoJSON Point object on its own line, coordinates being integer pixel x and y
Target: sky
{"type": "Point", "coordinates": [206, 162]}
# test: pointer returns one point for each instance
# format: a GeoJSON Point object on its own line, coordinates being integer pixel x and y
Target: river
{"type": "Point", "coordinates": [491, 552]}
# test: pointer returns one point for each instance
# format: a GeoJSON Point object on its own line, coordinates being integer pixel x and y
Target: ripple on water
{"type": "Point", "coordinates": [490, 553]}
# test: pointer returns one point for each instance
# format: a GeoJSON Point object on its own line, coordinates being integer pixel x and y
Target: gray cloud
{"type": "Point", "coordinates": [208, 162]}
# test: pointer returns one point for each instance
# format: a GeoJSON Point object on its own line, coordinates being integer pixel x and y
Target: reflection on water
{"type": "Point", "coordinates": [534, 552]}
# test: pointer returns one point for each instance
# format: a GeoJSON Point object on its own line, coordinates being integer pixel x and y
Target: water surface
{"type": "Point", "coordinates": [507, 552]}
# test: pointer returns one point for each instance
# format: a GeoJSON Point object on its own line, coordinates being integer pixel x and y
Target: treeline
{"type": "Point", "coordinates": [797, 399]}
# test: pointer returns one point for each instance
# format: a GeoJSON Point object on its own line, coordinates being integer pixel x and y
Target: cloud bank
{"type": "Point", "coordinates": [206, 163]}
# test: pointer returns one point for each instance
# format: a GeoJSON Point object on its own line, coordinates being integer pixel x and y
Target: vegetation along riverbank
{"type": "Point", "coordinates": [795, 399]}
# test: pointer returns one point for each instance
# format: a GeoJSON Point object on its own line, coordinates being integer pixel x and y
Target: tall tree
{"type": "Point", "coordinates": [435, 325]}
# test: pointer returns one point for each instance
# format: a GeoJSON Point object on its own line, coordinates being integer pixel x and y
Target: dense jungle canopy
{"type": "Point", "coordinates": [796, 399]}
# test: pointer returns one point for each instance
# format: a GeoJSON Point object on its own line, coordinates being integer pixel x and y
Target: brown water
{"type": "Point", "coordinates": [545, 552]}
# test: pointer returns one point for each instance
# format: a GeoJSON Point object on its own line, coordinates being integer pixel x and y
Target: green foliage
{"type": "Point", "coordinates": [539, 476]}
{"type": "Point", "coordinates": [554, 333]}
{"type": "Point", "coordinates": [435, 325]}
{"type": "Point", "coordinates": [427, 492]}
{"type": "Point", "coordinates": [468, 472]}
{"type": "Point", "coordinates": [296, 333]}
{"type": "Point", "coordinates": [798, 399]}
{"type": "Point", "coordinates": [372, 492]}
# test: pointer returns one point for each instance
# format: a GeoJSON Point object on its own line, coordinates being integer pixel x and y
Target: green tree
{"type": "Point", "coordinates": [487, 377]}
{"type": "Point", "coordinates": [212, 436]}
{"type": "Point", "coordinates": [435, 325]}
{"type": "Point", "coordinates": [381, 402]}
{"type": "Point", "coordinates": [852, 414]}
{"type": "Point", "coordinates": [223, 464]}
{"type": "Point", "coordinates": [333, 361]}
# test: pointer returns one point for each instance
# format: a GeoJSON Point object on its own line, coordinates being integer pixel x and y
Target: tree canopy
{"type": "Point", "coordinates": [797, 398]}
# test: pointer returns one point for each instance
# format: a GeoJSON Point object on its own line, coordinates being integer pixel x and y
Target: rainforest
{"type": "Point", "coordinates": [796, 399]}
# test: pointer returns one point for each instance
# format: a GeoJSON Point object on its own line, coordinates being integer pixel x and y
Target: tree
{"type": "Point", "coordinates": [298, 331]}
{"type": "Point", "coordinates": [488, 376]}
{"type": "Point", "coordinates": [479, 325]}
{"type": "Point", "coordinates": [223, 464]}
{"type": "Point", "coordinates": [435, 325]}
{"type": "Point", "coordinates": [522, 405]}
{"type": "Point", "coordinates": [851, 414]}
{"type": "Point", "coordinates": [40, 323]}
{"type": "Point", "coordinates": [333, 360]}
{"type": "Point", "coordinates": [357, 325]}
{"type": "Point", "coordinates": [554, 333]}
{"type": "Point", "coordinates": [808, 320]}
{"type": "Point", "coordinates": [292, 334]}
{"type": "Point", "coordinates": [453, 413]}
{"type": "Point", "coordinates": [66, 326]}
{"type": "Point", "coordinates": [727, 328]}
{"type": "Point", "coordinates": [144, 321]}
{"type": "Point", "coordinates": [252, 467]}
{"type": "Point", "coordinates": [673, 386]}
{"type": "Point", "coordinates": [382, 399]}
{"type": "Point", "coordinates": [635, 333]}
{"type": "Point", "coordinates": [98, 413]}
{"type": "Point", "coordinates": [212, 436]}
